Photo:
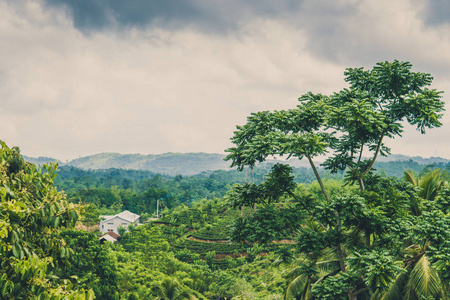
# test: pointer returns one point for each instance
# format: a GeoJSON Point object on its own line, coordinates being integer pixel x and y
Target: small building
{"type": "Point", "coordinates": [124, 219]}
{"type": "Point", "coordinates": [110, 236]}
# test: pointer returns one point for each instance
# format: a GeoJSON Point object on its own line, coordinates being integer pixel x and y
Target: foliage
{"type": "Point", "coordinates": [371, 238]}
{"type": "Point", "coordinates": [32, 214]}
{"type": "Point", "coordinates": [91, 263]}
{"type": "Point", "coordinates": [364, 230]}
{"type": "Point", "coordinates": [428, 184]}
{"type": "Point", "coordinates": [346, 123]}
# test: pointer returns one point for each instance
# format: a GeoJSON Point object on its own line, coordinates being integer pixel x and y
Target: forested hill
{"type": "Point", "coordinates": [195, 163]}
{"type": "Point", "coordinates": [168, 163]}
{"type": "Point", "coordinates": [41, 160]}
{"type": "Point", "coordinates": [418, 159]}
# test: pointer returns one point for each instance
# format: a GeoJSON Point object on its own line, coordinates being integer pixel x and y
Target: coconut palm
{"type": "Point", "coordinates": [419, 281]}
{"type": "Point", "coordinates": [172, 289]}
{"type": "Point", "coordinates": [428, 184]}
{"type": "Point", "coordinates": [304, 276]}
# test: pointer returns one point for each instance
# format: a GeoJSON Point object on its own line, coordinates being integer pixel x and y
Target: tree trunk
{"type": "Point", "coordinates": [341, 257]}
{"type": "Point", "coordinates": [361, 184]}
{"type": "Point", "coordinates": [375, 156]}
{"type": "Point", "coordinates": [367, 235]}
{"type": "Point", "coordinates": [318, 178]}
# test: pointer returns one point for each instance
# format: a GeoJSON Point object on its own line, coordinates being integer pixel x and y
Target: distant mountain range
{"type": "Point", "coordinates": [418, 159]}
{"type": "Point", "coordinates": [167, 163]}
{"type": "Point", "coordinates": [187, 163]}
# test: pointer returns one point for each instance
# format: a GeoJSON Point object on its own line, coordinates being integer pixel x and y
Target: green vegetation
{"type": "Point", "coordinates": [378, 242]}
{"type": "Point", "coordinates": [343, 231]}
{"type": "Point", "coordinates": [168, 163]}
{"type": "Point", "coordinates": [32, 253]}
{"type": "Point", "coordinates": [187, 254]}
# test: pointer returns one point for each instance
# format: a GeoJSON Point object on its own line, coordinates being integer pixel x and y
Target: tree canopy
{"type": "Point", "coordinates": [346, 125]}
{"type": "Point", "coordinates": [367, 243]}
{"type": "Point", "coordinates": [32, 213]}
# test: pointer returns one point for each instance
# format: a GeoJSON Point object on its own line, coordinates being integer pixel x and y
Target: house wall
{"type": "Point", "coordinates": [112, 224]}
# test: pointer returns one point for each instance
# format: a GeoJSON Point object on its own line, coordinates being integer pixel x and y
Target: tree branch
{"type": "Point", "coordinates": [318, 178]}
{"type": "Point", "coordinates": [360, 153]}
{"type": "Point", "coordinates": [375, 156]}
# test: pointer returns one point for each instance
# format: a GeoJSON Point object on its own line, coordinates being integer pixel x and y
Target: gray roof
{"type": "Point", "coordinates": [125, 215]}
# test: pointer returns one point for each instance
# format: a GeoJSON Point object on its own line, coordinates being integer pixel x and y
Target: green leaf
{"type": "Point", "coordinates": [5, 286]}
{"type": "Point", "coordinates": [16, 251]}
{"type": "Point", "coordinates": [423, 280]}
{"type": "Point", "coordinates": [297, 287]}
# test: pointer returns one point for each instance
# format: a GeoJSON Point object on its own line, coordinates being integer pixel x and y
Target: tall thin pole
{"type": "Point", "coordinates": [157, 209]}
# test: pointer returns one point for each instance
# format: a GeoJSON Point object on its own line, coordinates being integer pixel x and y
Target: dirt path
{"type": "Point", "coordinates": [207, 241]}
{"type": "Point", "coordinates": [192, 238]}
{"type": "Point", "coordinates": [286, 241]}
{"type": "Point", "coordinates": [173, 226]}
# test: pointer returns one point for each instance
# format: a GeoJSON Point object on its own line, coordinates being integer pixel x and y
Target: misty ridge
{"type": "Point", "coordinates": [195, 163]}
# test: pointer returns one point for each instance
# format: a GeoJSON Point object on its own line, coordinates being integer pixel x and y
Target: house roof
{"type": "Point", "coordinates": [110, 236]}
{"type": "Point", "coordinates": [113, 234]}
{"type": "Point", "coordinates": [111, 218]}
{"type": "Point", "coordinates": [125, 215]}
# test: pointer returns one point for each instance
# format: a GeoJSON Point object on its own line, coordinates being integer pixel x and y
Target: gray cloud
{"type": "Point", "coordinates": [171, 86]}
{"type": "Point", "coordinates": [336, 30]}
{"type": "Point", "coordinates": [436, 12]}
{"type": "Point", "coordinates": [362, 33]}
{"type": "Point", "coordinates": [105, 14]}
{"type": "Point", "coordinates": [216, 16]}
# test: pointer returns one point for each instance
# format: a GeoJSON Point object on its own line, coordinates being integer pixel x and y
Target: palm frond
{"type": "Point", "coordinates": [423, 280]}
{"type": "Point", "coordinates": [328, 275]}
{"type": "Point", "coordinates": [411, 176]}
{"type": "Point", "coordinates": [328, 265]}
{"type": "Point", "coordinates": [430, 184]}
{"type": "Point", "coordinates": [396, 291]}
{"type": "Point", "coordinates": [300, 285]}
{"type": "Point", "coordinates": [295, 272]}
{"type": "Point", "coordinates": [377, 295]}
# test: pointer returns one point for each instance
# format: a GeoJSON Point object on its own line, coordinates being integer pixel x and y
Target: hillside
{"type": "Point", "coordinates": [195, 163]}
{"type": "Point", "coordinates": [418, 159]}
{"type": "Point", "coordinates": [168, 163]}
{"type": "Point", "coordinates": [41, 160]}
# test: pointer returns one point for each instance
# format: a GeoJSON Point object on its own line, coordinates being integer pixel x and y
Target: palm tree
{"type": "Point", "coordinates": [171, 289]}
{"type": "Point", "coordinates": [428, 184]}
{"type": "Point", "coordinates": [419, 281]}
{"type": "Point", "coordinates": [304, 276]}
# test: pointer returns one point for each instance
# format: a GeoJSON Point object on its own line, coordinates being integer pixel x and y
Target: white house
{"type": "Point", "coordinates": [111, 223]}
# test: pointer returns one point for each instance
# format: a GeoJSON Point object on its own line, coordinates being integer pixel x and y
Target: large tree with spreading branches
{"type": "Point", "coordinates": [351, 128]}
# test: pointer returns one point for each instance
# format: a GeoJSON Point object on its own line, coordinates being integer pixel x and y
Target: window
{"type": "Point", "coordinates": [110, 223]}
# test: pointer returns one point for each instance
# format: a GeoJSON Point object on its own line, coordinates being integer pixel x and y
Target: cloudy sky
{"type": "Point", "coordinates": [79, 77]}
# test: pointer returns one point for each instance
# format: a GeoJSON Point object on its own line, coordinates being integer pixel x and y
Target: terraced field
{"type": "Point", "coordinates": [205, 231]}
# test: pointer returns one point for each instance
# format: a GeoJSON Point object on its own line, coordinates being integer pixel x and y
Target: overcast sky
{"type": "Point", "coordinates": [79, 77]}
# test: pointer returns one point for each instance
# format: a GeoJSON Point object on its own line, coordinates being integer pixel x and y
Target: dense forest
{"type": "Point", "coordinates": [352, 228]}
{"type": "Point", "coordinates": [113, 190]}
